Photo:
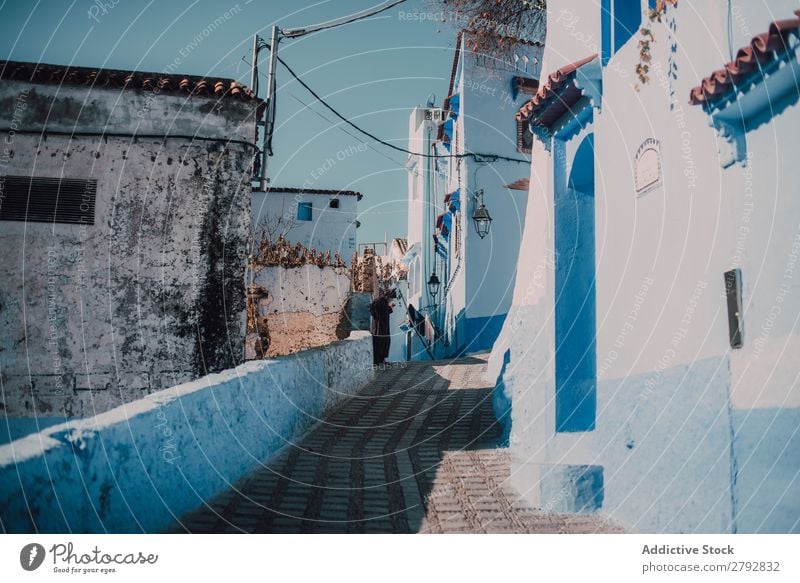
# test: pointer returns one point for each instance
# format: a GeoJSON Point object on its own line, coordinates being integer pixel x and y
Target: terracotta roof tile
{"type": "Point", "coordinates": [763, 49]}
{"type": "Point", "coordinates": [521, 184]}
{"type": "Point", "coordinates": [42, 73]}
{"type": "Point", "coordinates": [555, 96]}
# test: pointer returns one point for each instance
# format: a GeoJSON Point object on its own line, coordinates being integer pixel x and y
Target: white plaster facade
{"type": "Point", "coordinates": [680, 431]}
{"type": "Point", "coordinates": [477, 274]}
{"type": "Point", "coordinates": [332, 225]}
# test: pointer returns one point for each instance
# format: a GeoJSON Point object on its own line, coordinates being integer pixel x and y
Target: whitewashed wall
{"type": "Point", "coordinates": [691, 435]}
{"type": "Point", "coordinates": [139, 467]}
{"type": "Point", "coordinates": [331, 229]}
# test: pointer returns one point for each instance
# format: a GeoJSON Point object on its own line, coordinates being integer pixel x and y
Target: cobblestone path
{"type": "Point", "coordinates": [416, 451]}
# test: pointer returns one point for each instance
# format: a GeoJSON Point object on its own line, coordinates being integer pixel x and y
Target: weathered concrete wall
{"type": "Point", "coordinates": [301, 307]}
{"type": "Point", "coordinates": [137, 467]}
{"type": "Point", "coordinates": [99, 110]}
{"type": "Point", "coordinates": [152, 293]}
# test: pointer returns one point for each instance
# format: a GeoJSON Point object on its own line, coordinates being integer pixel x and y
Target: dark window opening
{"type": "Point", "coordinates": [524, 137]}
{"type": "Point", "coordinates": [335, 203]}
{"type": "Point", "coordinates": [47, 200]}
{"type": "Point", "coordinates": [304, 212]}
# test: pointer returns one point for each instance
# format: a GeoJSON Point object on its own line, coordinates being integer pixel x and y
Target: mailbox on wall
{"type": "Point", "coordinates": [733, 293]}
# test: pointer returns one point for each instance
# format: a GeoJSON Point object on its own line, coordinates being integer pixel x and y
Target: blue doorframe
{"type": "Point", "coordinates": [575, 309]}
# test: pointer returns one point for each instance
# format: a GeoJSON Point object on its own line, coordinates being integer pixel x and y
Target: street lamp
{"type": "Point", "coordinates": [433, 285]}
{"type": "Point", "coordinates": [481, 217]}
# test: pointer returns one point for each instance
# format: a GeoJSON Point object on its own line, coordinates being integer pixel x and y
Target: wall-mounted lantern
{"type": "Point", "coordinates": [481, 217]}
{"type": "Point", "coordinates": [433, 285]}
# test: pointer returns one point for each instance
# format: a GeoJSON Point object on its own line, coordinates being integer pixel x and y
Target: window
{"type": "Point", "coordinates": [621, 20]}
{"type": "Point", "coordinates": [304, 212]}
{"type": "Point", "coordinates": [47, 200]}
{"type": "Point", "coordinates": [334, 203]}
{"type": "Point", "coordinates": [524, 137]}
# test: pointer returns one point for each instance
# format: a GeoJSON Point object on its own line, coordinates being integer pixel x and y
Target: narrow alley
{"type": "Point", "coordinates": [415, 451]}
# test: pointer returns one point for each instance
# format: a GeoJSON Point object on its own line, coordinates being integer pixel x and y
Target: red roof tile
{"type": "Point", "coordinates": [521, 184]}
{"type": "Point", "coordinates": [108, 78]}
{"type": "Point", "coordinates": [555, 96]}
{"type": "Point", "coordinates": [763, 49]}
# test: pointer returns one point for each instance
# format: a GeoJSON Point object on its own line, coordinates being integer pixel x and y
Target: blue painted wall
{"type": "Point", "coordinates": [482, 332]}
{"type": "Point", "coordinates": [576, 367]}
{"type": "Point", "coordinates": [767, 472]}
{"type": "Point", "coordinates": [139, 467]}
{"type": "Point", "coordinates": [12, 428]}
{"type": "Point", "coordinates": [501, 401]}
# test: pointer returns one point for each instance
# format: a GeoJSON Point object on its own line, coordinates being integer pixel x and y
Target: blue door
{"type": "Point", "coordinates": [575, 312]}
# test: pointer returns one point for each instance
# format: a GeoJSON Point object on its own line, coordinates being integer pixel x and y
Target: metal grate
{"type": "Point", "coordinates": [47, 200]}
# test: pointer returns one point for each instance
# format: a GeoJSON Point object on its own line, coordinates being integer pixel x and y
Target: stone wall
{"type": "Point", "coordinates": [295, 308]}
{"type": "Point", "coordinates": [148, 291]}
{"type": "Point", "coordinates": [135, 468]}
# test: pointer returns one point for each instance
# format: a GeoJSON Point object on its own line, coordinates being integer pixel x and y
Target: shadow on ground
{"type": "Point", "coordinates": [416, 451]}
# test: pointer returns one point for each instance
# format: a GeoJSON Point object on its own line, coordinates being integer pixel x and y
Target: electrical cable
{"type": "Point", "coordinates": [297, 33]}
{"type": "Point", "coordinates": [45, 132]}
{"type": "Point", "coordinates": [339, 127]}
{"type": "Point", "coordinates": [474, 155]}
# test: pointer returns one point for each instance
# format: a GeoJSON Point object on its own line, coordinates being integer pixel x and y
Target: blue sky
{"type": "Point", "coordinates": [373, 72]}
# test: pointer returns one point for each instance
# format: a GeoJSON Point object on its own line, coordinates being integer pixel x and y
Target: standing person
{"type": "Point", "coordinates": [380, 309]}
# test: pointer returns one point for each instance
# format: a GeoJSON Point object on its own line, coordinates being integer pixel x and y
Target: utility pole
{"type": "Point", "coordinates": [277, 33]}
{"type": "Point", "coordinates": [254, 72]}
{"type": "Point", "coordinates": [269, 116]}
{"type": "Point", "coordinates": [269, 119]}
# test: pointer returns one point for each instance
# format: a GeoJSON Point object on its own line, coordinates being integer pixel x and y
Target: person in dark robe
{"type": "Point", "coordinates": [380, 310]}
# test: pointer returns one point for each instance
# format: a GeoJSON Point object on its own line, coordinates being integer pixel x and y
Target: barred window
{"type": "Point", "coordinates": [38, 199]}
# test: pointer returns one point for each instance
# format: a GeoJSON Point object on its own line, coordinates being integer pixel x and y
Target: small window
{"type": "Point", "coordinates": [524, 137]}
{"type": "Point", "coordinates": [304, 212]}
{"type": "Point", "coordinates": [335, 203]}
{"type": "Point", "coordinates": [47, 200]}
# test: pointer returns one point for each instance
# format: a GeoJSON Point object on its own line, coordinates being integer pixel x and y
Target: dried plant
{"type": "Point", "coordinates": [647, 38]}
{"type": "Point", "coordinates": [371, 274]}
{"type": "Point", "coordinates": [496, 26]}
{"type": "Point", "coordinates": [285, 254]}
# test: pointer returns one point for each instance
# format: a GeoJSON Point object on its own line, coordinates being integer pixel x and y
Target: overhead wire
{"type": "Point", "coordinates": [475, 155]}
{"type": "Point", "coordinates": [339, 127]}
{"type": "Point", "coordinates": [334, 124]}
{"type": "Point", "coordinates": [299, 32]}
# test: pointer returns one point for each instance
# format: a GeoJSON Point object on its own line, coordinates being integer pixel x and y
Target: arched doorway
{"type": "Point", "coordinates": [575, 311]}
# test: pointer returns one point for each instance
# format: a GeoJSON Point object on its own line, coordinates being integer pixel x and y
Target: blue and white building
{"type": "Point", "coordinates": [648, 369]}
{"type": "Point", "coordinates": [320, 219]}
{"type": "Point", "coordinates": [467, 153]}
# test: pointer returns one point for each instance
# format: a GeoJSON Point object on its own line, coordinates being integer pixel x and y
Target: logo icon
{"type": "Point", "coordinates": [31, 556]}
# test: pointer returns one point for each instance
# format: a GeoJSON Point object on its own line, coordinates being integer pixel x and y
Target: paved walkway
{"type": "Point", "coordinates": [414, 452]}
